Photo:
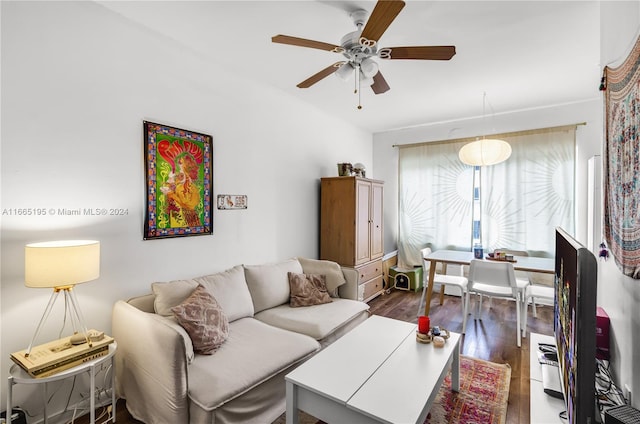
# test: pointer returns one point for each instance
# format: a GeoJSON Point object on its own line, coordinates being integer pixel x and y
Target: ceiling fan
{"type": "Point", "coordinates": [361, 46]}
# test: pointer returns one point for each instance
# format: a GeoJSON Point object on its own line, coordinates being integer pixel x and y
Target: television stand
{"type": "Point", "coordinates": [544, 409]}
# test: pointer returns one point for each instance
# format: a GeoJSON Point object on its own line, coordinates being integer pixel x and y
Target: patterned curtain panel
{"type": "Point", "coordinates": [523, 198]}
{"type": "Point", "coordinates": [622, 163]}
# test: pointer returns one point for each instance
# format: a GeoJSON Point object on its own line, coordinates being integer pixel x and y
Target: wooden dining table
{"type": "Point", "coordinates": [456, 257]}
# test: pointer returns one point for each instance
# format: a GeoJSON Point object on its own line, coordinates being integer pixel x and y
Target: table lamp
{"type": "Point", "coordinates": [60, 265]}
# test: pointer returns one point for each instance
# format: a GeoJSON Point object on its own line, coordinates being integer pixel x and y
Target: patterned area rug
{"type": "Point", "coordinates": [483, 396]}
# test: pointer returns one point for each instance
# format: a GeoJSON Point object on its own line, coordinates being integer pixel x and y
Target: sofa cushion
{"type": "Point", "coordinates": [253, 353]}
{"type": "Point", "coordinates": [316, 321]}
{"type": "Point", "coordinates": [230, 290]}
{"type": "Point", "coordinates": [203, 318]}
{"type": "Point", "coordinates": [228, 287]}
{"type": "Point", "coordinates": [333, 271]}
{"type": "Point", "coordinates": [269, 283]}
{"type": "Point", "coordinates": [307, 290]}
{"type": "Point", "coordinates": [171, 294]}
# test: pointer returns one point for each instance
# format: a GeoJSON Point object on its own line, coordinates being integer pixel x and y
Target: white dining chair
{"type": "Point", "coordinates": [457, 281]}
{"type": "Point", "coordinates": [495, 279]}
{"type": "Point", "coordinates": [519, 274]}
{"type": "Point", "coordinates": [536, 292]}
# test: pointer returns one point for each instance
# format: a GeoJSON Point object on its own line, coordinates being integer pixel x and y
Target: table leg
{"type": "Point", "coordinates": [442, 286]}
{"type": "Point", "coordinates": [455, 369]}
{"type": "Point", "coordinates": [292, 403]}
{"type": "Point", "coordinates": [113, 389]}
{"type": "Point", "coordinates": [432, 274]}
{"type": "Point", "coordinates": [44, 396]}
{"type": "Point", "coordinates": [9, 399]}
{"type": "Point", "coordinates": [92, 412]}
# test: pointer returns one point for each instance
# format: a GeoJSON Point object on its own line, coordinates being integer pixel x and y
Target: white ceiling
{"type": "Point", "coordinates": [522, 54]}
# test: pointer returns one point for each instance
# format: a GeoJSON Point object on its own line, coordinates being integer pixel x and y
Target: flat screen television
{"type": "Point", "coordinates": [575, 326]}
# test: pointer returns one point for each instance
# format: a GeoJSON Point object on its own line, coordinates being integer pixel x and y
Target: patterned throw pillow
{"type": "Point", "coordinates": [203, 319]}
{"type": "Point", "coordinates": [308, 289]}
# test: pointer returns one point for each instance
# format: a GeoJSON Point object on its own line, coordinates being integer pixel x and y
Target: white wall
{"type": "Point", "coordinates": [617, 294]}
{"type": "Point", "coordinates": [77, 82]}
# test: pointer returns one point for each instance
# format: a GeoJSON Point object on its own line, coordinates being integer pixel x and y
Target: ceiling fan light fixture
{"type": "Point", "coordinates": [365, 80]}
{"type": "Point", "coordinates": [359, 47]}
{"type": "Point", "coordinates": [369, 67]}
{"type": "Point", "coordinates": [345, 71]}
{"type": "Point", "coordinates": [485, 152]}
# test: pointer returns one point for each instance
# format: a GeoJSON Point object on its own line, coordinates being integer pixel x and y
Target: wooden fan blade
{"type": "Point", "coordinates": [421, 52]}
{"type": "Point", "coordinates": [379, 85]}
{"type": "Point", "coordinates": [303, 42]}
{"type": "Point", "coordinates": [383, 14]}
{"type": "Point", "coordinates": [320, 75]}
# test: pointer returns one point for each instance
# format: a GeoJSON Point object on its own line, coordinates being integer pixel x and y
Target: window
{"type": "Point", "coordinates": [523, 198]}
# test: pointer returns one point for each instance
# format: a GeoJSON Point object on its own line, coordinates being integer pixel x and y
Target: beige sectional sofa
{"type": "Point", "coordinates": [164, 381]}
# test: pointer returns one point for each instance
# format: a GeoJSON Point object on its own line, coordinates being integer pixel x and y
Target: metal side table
{"type": "Point", "coordinates": [19, 376]}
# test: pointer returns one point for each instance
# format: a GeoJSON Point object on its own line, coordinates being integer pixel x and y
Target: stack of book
{"type": "Point", "coordinates": [59, 355]}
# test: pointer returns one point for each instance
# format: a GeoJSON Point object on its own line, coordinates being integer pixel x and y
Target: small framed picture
{"type": "Point", "coordinates": [232, 201]}
{"type": "Point", "coordinates": [178, 168]}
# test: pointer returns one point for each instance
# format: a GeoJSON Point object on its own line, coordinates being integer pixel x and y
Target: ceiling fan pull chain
{"type": "Point", "coordinates": [359, 87]}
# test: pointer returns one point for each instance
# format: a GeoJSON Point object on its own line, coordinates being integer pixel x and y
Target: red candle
{"type": "Point", "coordinates": [423, 324]}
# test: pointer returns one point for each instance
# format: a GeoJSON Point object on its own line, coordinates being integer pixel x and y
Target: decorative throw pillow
{"type": "Point", "coordinates": [308, 289]}
{"type": "Point", "coordinates": [203, 319]}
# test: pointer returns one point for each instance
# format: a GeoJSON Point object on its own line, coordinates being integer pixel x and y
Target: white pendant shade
{"type": "Point", "coordinates": [485, 152]}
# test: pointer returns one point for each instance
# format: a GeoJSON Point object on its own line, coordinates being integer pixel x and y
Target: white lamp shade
{"type": "Point", "coordinates": [344, 71]}
{"type": "Point", "coordinates": [485, 152]}
{"type": "Point", "coordinates": [59, 263]}
{"type": "Point", "coordinates": [365, 80]}
{"type": "Point", "coordinates": [369, 67]}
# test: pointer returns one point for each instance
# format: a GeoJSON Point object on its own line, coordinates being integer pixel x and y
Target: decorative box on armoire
{"type": "Point", "coordinates": [351, 229]}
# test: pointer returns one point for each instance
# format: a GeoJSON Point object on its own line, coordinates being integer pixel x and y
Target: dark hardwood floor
{"type": "Point", "coordinates": [492, 338]}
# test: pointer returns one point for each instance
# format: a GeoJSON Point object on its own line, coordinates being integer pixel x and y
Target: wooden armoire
{"type": "Point", "coordinates": [351, 228]}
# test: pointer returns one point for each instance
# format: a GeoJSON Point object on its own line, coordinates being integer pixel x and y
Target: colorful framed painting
{"type": "Point", "coordinates": [179, 175]}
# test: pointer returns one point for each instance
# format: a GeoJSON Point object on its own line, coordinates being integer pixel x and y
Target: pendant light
{"type": "Point", "coordinates": [479, 153]}
{"type": "Point", "coordinates": [486, 151]}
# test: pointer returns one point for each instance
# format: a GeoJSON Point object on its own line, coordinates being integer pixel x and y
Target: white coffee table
{"type": "Point", "coordinates": [376, 373]}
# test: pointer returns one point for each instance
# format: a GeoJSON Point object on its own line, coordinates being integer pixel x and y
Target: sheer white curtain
{"type": "Point", "coordinates": [523, 198]}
